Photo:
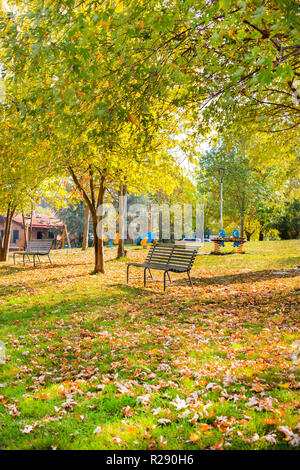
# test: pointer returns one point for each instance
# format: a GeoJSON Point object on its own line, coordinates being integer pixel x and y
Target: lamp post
{"type": "Point", "coordinates": [221, 172]}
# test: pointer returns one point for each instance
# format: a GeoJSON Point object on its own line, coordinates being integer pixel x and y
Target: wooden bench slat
{"type": "Point", "coordinates": [168, 258]}
{"type": "Point", "coordinates": [36, 248]}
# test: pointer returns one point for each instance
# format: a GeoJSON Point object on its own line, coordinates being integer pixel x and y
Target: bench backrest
{"type": "Point", "coordinates": [171, 255]}
{"type": "Point", "coordinates": [39, 246]}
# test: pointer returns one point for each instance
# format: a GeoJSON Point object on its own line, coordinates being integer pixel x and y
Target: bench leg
{"type": "Point", "coordinates": [165, 273]}
{"type": "Point", "coordinates": [150, 273]}
{"type": "Point", "coordinates": [39, 259]}
{"type": "Point", "coordinates": [188, 273]}
{"type": "Point", "coordinates": [127, 277]}
{"type": "Point", "coordinates": [14, 257]}
{"type": "Point", "coordinates": [145, 276]}
{"type": "Point", "coordinates": [49, 259]}
{"type": "Point", "coordinates": [33, 260]}
{"type": "Point", "coordinates": [23, 260]}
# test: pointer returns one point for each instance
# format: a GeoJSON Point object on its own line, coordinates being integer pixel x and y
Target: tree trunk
{"type": "Point", "coordinates": [243, 215]}
{"type": "Point", "coordinates": [25, 231]}
{"type": "Point", "coordinates": [85, 241]}
{"type": "Point", "coordinates": [93, 205]}
{"type": "Point", "coordinates": [160, 230]}
{"type": "Point", "coordinates": [98, 234]}
{"type": "Point", "coordinates": [98, 244]}
{"type": "Point", "coordinates": [242, 224]}
{"type": "Point", "coordinates": [261, 236]}
{"type": "Point", "coordinates": [4, 243]}
{"type": "Point", "coordinates": [30, 229]}
{"type": "Point", "coordinates": [67, 237]}
{"type": "Point", "coordinates": [248, 235]}
{"type": "Point", "coordinates": [122, 206]}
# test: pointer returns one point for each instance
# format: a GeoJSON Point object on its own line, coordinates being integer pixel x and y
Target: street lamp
{"type": "Point", "coordinates": [221, 172]}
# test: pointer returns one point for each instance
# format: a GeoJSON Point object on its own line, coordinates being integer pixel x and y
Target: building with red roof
{"type": "Point", "coordinates": [41, 227]}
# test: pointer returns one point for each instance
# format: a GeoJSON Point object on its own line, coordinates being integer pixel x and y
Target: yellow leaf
{"type": "Point", "coordinates": [194, 437]}
{"type": "Point", "coordinates": [203, 426]}
{"type": "Point", "coordinates": [132, 118]}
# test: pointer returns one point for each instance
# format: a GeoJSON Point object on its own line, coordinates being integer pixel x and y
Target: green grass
{"type": "Point", "coordinates": [88, 351]}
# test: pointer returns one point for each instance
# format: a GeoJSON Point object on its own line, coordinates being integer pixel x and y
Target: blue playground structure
{"type": "Point", "coordinates": [236, 234]}
{"type": "Point", "coordinates": [236, 239]}
{"type": "Point", "coordinates": [149, 235]}
{"type": "Point", "coordinates": [222, 234]}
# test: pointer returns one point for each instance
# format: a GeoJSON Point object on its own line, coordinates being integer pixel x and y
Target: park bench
{"type": "Point", "coordinates": [167, 257]}
{"type": "Point", "coordinates": [35, 248]}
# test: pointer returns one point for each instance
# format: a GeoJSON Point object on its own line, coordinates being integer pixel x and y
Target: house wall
{"type": "Point", "coordinates": [17, 233]}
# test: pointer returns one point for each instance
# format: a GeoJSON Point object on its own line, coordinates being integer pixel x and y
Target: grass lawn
{"type": "Point", "coordinates": [92, 363]}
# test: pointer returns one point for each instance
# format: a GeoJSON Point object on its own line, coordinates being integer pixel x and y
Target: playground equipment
{"type": "Point", "coordinates": [146, 239]}
{"type": "Point", "coordinates": [221, 239]}
{"type": "Point", "coordinates": [112, 241]}
{"type": "Point", "coordinates": [65, 235]}
{"type": "Point", "coordinates": [222, 234]}
{"type": "Point", "coordinates": [236, 234]}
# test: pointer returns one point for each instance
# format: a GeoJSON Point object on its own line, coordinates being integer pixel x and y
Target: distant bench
{"type": "Point", "coordinates": [35, 248]}
{"type": "Point", "coordinates": [167, 257]}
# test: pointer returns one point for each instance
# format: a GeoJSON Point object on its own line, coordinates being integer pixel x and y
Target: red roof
{"type": "Point", "coordinates": [40, 220]}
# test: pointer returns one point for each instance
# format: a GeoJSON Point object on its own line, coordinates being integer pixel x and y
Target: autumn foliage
{"type": "Point", "coordinates": [95, 364]}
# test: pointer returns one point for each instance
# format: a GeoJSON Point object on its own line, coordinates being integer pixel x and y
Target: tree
{"type": "Point", "coordinates": [106, 79]}
{"type": "Point", "coordinates": [122, 208]}
{"type": "Point", "coordinates": [235, 62]}
{"type": "Point", "coordinates": [99, 131]}
{"type": "Point", "coordinates": [251, 189]}
{"type": "Point", "coordinates": [288, 223]}
{"type": "Point", "coordinates": [22, 171]}
{"type": "Point", "coordinates": [73, 216]}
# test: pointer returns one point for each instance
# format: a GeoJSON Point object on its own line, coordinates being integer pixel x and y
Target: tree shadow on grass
{"type": "Point", "coordinates": [8, 269]}
{"type": "Point", "coordinates": [226, 279]}
{"type": "Point", "coordinates": [23, 288]}
{"type": "Point", "coordinates": [140, 291]}
{"type": "Point", "coordinates": [245, 278]}
{"type": "Point", "coordinates": [58, 308]}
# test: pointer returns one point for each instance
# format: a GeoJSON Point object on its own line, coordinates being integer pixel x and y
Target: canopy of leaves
{"type": "Point", "coordinates": [251, 190]}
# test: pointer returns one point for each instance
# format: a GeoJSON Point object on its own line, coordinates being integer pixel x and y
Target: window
{"type": "Point", "coordinates": [39, 235]}
{"type": "Point", "coordinates": [51, 235]}
{"type": "Point", "coordinates": [15, 235]}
